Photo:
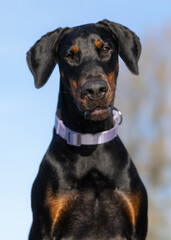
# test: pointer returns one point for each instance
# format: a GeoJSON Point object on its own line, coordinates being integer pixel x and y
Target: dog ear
{"type": "Point", "coordinates": [41, 58]}
{"type": "Point", "coordinates": [129, 47]}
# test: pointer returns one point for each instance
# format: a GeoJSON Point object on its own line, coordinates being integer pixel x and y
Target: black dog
{"type": "Point", "coordinates": [87, 186]}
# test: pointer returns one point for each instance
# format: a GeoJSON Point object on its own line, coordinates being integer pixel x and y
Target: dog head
{"type": "Point", "coordinates": [88, 61]}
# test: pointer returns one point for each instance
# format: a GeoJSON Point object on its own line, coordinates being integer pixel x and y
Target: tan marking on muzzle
{"type": "Point", "coordinates": [74, 84]}
{"type": "Point", "coordinates": [117, 68]}
{"type": "Point", "coordinates": [117, 65]}
{"type": "Point", "coordinates": [62, 74]}
{"type": "Point", "coordinates": [112, 79]}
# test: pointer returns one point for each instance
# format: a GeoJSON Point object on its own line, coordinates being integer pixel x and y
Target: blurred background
{"type": "Point", "coordinates": [27, 115]}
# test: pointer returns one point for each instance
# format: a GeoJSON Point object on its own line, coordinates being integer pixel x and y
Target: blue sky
{"type": "Point", "coordinates": [27, 114]}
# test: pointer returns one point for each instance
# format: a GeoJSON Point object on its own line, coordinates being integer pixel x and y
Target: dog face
{"type": "Point", "coordinates": [88, 61]}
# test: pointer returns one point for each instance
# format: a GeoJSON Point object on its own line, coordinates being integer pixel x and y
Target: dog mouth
{"type": "Point", "coordinates": [98, 114]}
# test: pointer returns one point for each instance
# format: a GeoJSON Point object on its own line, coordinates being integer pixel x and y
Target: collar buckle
{"type": "Point", "coordinates": [73, 139]}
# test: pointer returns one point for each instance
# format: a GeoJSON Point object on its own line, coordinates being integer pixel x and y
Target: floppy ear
{"type": "Point", "coordinates": [41, 58]}
{"type": "Point", "coordinates": [129, 47]}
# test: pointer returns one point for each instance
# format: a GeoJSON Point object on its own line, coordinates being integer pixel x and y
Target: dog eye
{"type": "Point", "coordinates": [105, 50]}
{"type": "Point", "coordinates": [69, 56]}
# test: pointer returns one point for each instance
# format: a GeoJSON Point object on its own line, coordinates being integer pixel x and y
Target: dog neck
{"type": "Point", "coordinates": [67, 111]}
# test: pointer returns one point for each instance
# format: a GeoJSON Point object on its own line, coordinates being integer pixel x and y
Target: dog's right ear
{"type": "Point", "coordinates": [129, 46]}
{"type": "Point", "coordinates": [41, 58]}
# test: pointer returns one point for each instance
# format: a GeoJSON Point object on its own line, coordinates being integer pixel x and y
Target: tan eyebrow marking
{"type": "Point", "coordinates": [98, 43]}
{"type": "Point", "coordinates": [75, 49]}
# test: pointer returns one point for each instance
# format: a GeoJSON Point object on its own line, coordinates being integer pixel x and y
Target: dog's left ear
{"type": "Point", "coordinates": [129, 47]}
{"type": "Point", "coordinates": [41, 58]}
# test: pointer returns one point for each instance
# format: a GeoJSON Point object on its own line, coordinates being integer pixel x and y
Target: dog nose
{"type": "Point", "coordinates": [94, 89]}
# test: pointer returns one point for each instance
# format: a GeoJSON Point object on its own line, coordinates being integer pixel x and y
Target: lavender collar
{"type": "Point", "coordinates": [78, 139]}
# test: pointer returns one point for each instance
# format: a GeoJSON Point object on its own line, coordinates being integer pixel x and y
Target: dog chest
{"type": "Point", "coordinates": [89, 208]}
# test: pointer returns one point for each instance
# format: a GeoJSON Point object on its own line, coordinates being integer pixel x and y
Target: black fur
{"type": "Point", "coordinates": [92, 191]}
